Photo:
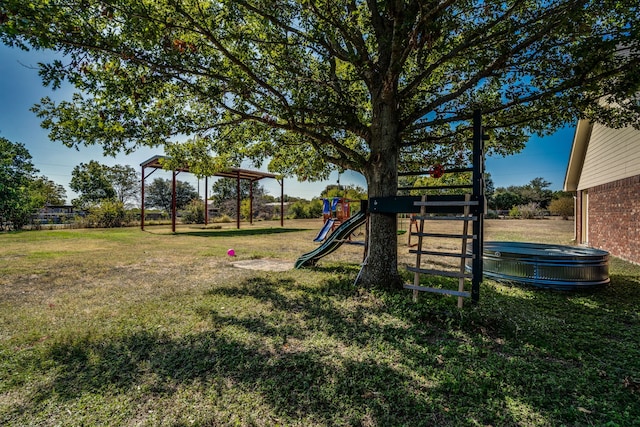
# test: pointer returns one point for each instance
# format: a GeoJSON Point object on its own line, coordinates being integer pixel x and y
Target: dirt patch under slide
{"type": "Point", "coordinates": [264, 264]}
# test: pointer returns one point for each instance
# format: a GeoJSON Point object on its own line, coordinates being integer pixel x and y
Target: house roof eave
{"type": "Point", "coordinates": [576, 158]}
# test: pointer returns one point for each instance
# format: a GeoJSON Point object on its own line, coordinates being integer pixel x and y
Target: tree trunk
{"type": "Point", "coordinates": [381, 266]}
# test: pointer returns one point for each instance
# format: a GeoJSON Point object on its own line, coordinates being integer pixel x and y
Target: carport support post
{"type": "Point", "coordinates": [142, 196]}
{"type": "Point", "coordinates": [142, 202]}
{"type": "Point", "coordinates": [173, 202]}
{"type": "Point", "coordinates": [251, 202]}
{"type": "Point", "coordinates": [282, 203]}
{"type": "Point", "coordinates": [206, 200]}
{"type": "Point", "coordinates": [238, 200]}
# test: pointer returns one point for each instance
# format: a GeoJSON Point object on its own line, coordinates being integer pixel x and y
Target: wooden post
{"type": "Point", "coordinates": [416, 275]}
{"type": "Point", "coordinates": [412, 224]}
{"type": "Point", "coordinates": [463, 259]}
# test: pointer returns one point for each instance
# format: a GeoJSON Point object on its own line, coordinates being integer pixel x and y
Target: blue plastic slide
{"type": "Point", "coordinates": [324, 231]}
{"type": "Point", "coordinates": [334, 241]}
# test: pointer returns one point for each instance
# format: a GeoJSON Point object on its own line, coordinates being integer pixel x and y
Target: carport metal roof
{"type": "Point", "coordinates": [155, 162]}
{"type": "Point", "coordinates": [238, 174]}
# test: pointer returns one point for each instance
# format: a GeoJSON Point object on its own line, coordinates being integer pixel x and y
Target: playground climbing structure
{"type": "Point", "coordinates": [468, 209]}
{"type": "Point", "coordinates": [333, 241]}
{"type": "Point", "coordinates": [334, 212]}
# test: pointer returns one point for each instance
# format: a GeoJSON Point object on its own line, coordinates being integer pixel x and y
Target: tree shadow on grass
{"type": "Point", "coordinates": [328, 353]}
{"type": "Point", "coordinates": [298, 383]}
{"type": "Point", "coordinates": [459, 367]}
{"type": "Point", "coordinates": [624, 289]}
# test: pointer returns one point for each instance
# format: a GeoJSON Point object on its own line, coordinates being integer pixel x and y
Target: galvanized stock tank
{"type": "Point", "coordinates": [546, 266]}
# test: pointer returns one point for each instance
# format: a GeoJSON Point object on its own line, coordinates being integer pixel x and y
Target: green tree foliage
{"type": "Point", "coordinates": [489, 188]}
{"type": "Point", "coordinates": [305, 209]}
{"type": "Point", "coordinates": [351, 192]}
{"type": "Point", "coordinates": [529, 210]}
{"type": "Point", "coordinates": [223, 197]}
{"type": "Point", "coordinates": [93, 184]}
{"type": "Point", "coordinates": [158, 194]}
{"type": "Point", "coordinates": [245, 209]}
{"type": "Point", "coordinates": [17, 192]}
{"type": "Point", "coordinates": [225, 189]}
{"type": "Point", "coordinates": [562, 206]}
{"type": "Point", "coordinates": [448, 183]}
{"type": "Point", "coordinates": [125, 181]}
{"type": "Point", "coordinates": [440, 184]}
{"type": "Point", "coordinates": [50, 192]}
{"type": "Point", "coordinates": [317, 85]}
{"type": "Point", "coordinates": [505, 200]}
{"type": "Point", "coordinates": [562, 194]}
{"type": "Point", "coordinates": [536, 191]}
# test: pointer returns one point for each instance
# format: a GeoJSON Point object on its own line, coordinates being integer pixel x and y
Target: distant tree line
{"type": "Point", "coordinates": [110, 194]}
{"type": "Point", "coordinates": [532, 200]}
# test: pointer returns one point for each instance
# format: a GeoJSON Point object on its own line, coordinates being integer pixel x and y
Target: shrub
{"type": "Point", "coordinates": [245, 209]}
{"type": "Point", "coordinates": [562, 207]}
{"type": "Point", "coordinates": [529, 211]}
{"type": "Point", "coordinates": [314, 208]}
{"type": "Point", "coordinates": [298, 210]}
{"type": "Point", "coordinates": [491, 214]}
{"type": "Point", "coordinates": [301, 209]}
{"type": "Point", "coordinates": [193, 213]}
{"type": "Point", "coordinates": [109, 214]}
{"type": "Point", "coordinates": [223, 219]}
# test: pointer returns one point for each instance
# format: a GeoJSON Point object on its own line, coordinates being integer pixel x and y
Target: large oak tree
{"type": "Point", "coordinates": [311, 85]}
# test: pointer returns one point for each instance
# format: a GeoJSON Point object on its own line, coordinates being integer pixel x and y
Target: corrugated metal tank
{"type": "Point", "coordinates": [546, 266]}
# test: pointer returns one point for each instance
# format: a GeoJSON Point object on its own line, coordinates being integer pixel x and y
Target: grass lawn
{"type": "Point", "coordinates": [130, 327]}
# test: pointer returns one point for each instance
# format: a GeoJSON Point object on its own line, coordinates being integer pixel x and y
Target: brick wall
{"type": "Point", "coordinates": [614, 218]}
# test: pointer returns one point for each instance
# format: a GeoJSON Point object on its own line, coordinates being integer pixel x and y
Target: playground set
{"type": "Point", "coordinates": [338, 227]}
{"type": "Point", "coordinates": [466, 208]}
{"type": "Point", "coordinates": [334, 212]}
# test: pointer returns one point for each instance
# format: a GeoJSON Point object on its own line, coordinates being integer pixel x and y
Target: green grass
{"type": "Point", "coordinates": [126, 327]}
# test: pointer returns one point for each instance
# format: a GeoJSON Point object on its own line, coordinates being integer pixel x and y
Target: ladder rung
{"type": "Point", "coordinates": [437, 290]}
{"type": "Point", "coordinates": [447, 254]}
{"type": "Point", "coordinates": [444, 235]}
{"type": "Point", "coordinates": [440, 273]}
{"type": "Point", "coordinates": [450, 203]}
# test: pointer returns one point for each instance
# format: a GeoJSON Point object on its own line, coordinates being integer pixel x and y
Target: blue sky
{"type": "Point", "coordinates": [21, 87]}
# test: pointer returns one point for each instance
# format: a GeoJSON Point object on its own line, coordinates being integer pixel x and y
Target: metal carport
{"type": "Point", "coordinates": [155, 163]}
